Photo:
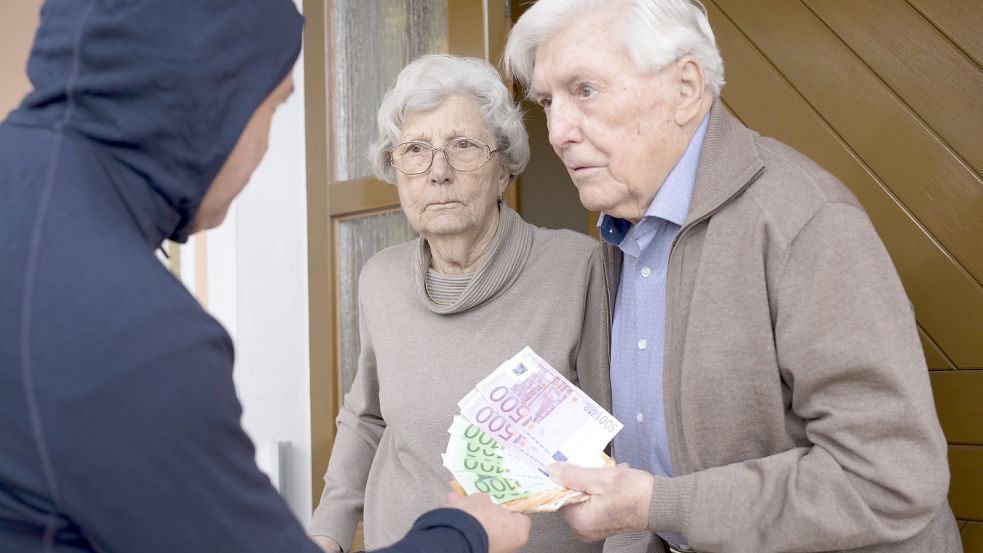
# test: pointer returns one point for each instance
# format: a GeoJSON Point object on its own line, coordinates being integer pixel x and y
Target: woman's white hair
{"type": "Point", "coordinates": [655, 33]}
{"type": "Point", "coordinates": [425, 83]}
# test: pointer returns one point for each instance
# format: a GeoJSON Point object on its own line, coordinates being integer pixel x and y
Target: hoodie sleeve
{"type": "Point", "coordinates": [442, 531]}
{"type": "Point", "coordinates": [360, 429]}
{"type": "Point", "coordinates": [153, 458]}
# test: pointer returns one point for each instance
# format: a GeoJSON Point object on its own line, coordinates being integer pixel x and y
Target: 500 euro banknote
{"type": "Point", "coordinates": [538, 415]}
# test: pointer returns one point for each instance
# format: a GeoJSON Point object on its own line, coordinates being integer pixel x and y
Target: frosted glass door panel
{"type": "Point", "coordinates": [374, 39]}
{"type": "Point", "coordinates": [359, 239]}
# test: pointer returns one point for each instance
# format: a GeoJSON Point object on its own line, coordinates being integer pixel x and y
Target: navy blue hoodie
{"type": "Point", "coordinates": [119, 424]}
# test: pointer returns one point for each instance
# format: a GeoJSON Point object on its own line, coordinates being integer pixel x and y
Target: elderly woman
{"type": "Point", "coordinates": [440, 313]}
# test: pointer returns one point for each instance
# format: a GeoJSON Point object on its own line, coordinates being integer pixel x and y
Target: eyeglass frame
{"type": "Point", "coordinates": [433, 155]}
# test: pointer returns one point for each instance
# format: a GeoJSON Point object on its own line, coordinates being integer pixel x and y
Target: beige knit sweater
{"type": "Point", "coordinates": [535, 287]}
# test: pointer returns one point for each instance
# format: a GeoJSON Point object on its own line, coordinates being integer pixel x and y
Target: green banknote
{"type": "Point", "coordinates": [481, 465]}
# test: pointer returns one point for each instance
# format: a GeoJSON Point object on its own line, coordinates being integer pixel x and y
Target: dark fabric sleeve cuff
{"type": "Point", "coordinates": [468, 527]}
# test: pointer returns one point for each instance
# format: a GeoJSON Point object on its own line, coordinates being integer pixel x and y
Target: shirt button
{"type": "Point", "coordinates": [642, 344]}
{"type": "Point", "coordinates": [639, 417]}
{"type": "Point", "coordinates": [646, 272]}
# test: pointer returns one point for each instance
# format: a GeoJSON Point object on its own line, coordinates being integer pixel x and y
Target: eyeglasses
{"type": "Point", "coordinates": [461, 154]}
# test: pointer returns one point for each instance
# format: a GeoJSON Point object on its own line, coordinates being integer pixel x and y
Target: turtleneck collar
{"type": "Point", "coordinates": [500, 267]}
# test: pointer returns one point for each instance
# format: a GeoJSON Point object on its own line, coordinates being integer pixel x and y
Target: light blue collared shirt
{"type": "Point", "coordinates": [638, 333]}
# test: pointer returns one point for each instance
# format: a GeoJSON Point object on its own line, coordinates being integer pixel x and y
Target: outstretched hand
{"type": "Point", "coordinates": [619, 499]}
{"type": "Point", "coordinates": [507, 532]}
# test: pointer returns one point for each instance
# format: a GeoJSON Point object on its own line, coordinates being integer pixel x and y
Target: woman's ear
{"type": "Point", "coordinates": [504, 178]}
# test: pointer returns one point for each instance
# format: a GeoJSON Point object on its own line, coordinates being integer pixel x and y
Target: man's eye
{"type": "Point", "coordinates": [585, 91]}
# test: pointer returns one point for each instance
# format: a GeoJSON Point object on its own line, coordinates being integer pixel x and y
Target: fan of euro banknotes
{"type": "Point", "coordinates": [514, 423]}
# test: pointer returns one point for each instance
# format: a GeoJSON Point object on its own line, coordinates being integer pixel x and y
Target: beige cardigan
{"type": "Point", "coordinates": [536, 287]}
{"type": "Point", "coordinates": [798, 407]}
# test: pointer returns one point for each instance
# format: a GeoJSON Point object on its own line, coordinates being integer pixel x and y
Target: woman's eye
{"type": "Point", "coordinates": [415, 148]}
{"type": "Point", "coordinates": [545, 102]}
{"type": "Point", "coordinates": [464, 144]}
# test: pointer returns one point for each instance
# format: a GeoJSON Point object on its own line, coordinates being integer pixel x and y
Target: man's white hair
{"type": "Point", "coordinates": [654, 32]}
{"type": "Point", "coordinates": [426, 82]}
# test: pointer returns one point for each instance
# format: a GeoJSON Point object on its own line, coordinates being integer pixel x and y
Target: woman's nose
{"type": "Point", "coordinates": [440, 171]}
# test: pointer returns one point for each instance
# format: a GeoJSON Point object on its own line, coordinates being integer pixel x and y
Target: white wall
{"type": "Point", "coordinates": [257, 288]}
{"type": "Point", "coordinates": [18, 22]}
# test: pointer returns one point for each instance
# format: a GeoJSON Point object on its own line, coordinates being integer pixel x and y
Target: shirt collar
{"type": "Point", "coordinates": [672, 201]}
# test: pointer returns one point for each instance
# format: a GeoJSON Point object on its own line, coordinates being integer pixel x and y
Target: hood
{"type": "Point", "coordinates": [164, 88]}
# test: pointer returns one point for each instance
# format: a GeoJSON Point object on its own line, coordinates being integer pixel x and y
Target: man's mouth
{"type": "Point", "coordinates": [583, 169]}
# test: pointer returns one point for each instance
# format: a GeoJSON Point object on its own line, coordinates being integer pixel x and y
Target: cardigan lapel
{"type": "Point", "coordinates": [728, 163]}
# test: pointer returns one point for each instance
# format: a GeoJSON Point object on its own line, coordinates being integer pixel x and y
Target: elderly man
{"type": "Point", "coordinates": [765, 359]}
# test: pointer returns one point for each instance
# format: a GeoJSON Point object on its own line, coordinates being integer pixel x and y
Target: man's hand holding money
{"type": "Point", "coordinates": [619, 499]}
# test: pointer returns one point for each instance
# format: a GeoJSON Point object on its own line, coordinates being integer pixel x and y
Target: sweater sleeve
{"type": "Point", "coordinates": [442, 531]}
{"type": "Point", "coordinates": [875, 469]}
{"type": "Point", "coordinates": [360, 428]}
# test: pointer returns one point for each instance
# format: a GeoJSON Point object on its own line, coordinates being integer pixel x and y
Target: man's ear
{"type": "Point", "coordinates": [691, 83]}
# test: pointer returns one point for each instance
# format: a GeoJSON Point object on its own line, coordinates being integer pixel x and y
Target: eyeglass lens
{"type": "Point", "coordinates": [462, 154]}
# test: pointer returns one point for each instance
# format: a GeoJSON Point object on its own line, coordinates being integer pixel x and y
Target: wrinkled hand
{"type": "Point", "coordinates": [327, 544]}
{"type": "Point", "coordinates": [507, 532]}
{"type": "Point", "coordinates": [619, 499]}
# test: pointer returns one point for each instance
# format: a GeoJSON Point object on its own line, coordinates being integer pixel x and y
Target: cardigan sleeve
{"type": "Point", "coordinates": [875, 468]}
{"type": "Point", "coordinates": [594, 352]}
{"type": "Point", "coordinates": [360, 428]}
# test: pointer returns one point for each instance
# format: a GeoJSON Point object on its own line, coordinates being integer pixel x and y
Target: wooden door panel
{"type": "Point", "coordinates": [941, 191]}
{"type": "Point", "coordinates": [959, 403]}
{"type": "Point", "coordinates": [960, 20]}
{"type": "Point", "coordinates": [966, 488]}
{"type": "Point", "coordinates": [936, 79]}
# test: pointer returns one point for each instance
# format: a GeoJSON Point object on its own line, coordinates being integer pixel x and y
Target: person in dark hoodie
{"type": "Point", "coordinates": [119, 424]}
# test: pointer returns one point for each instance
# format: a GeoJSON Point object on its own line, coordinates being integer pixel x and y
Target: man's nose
{"type": "Point", "coordinates": [563, 124]}
{"type": "Point", "coordinates": [440, 171]}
